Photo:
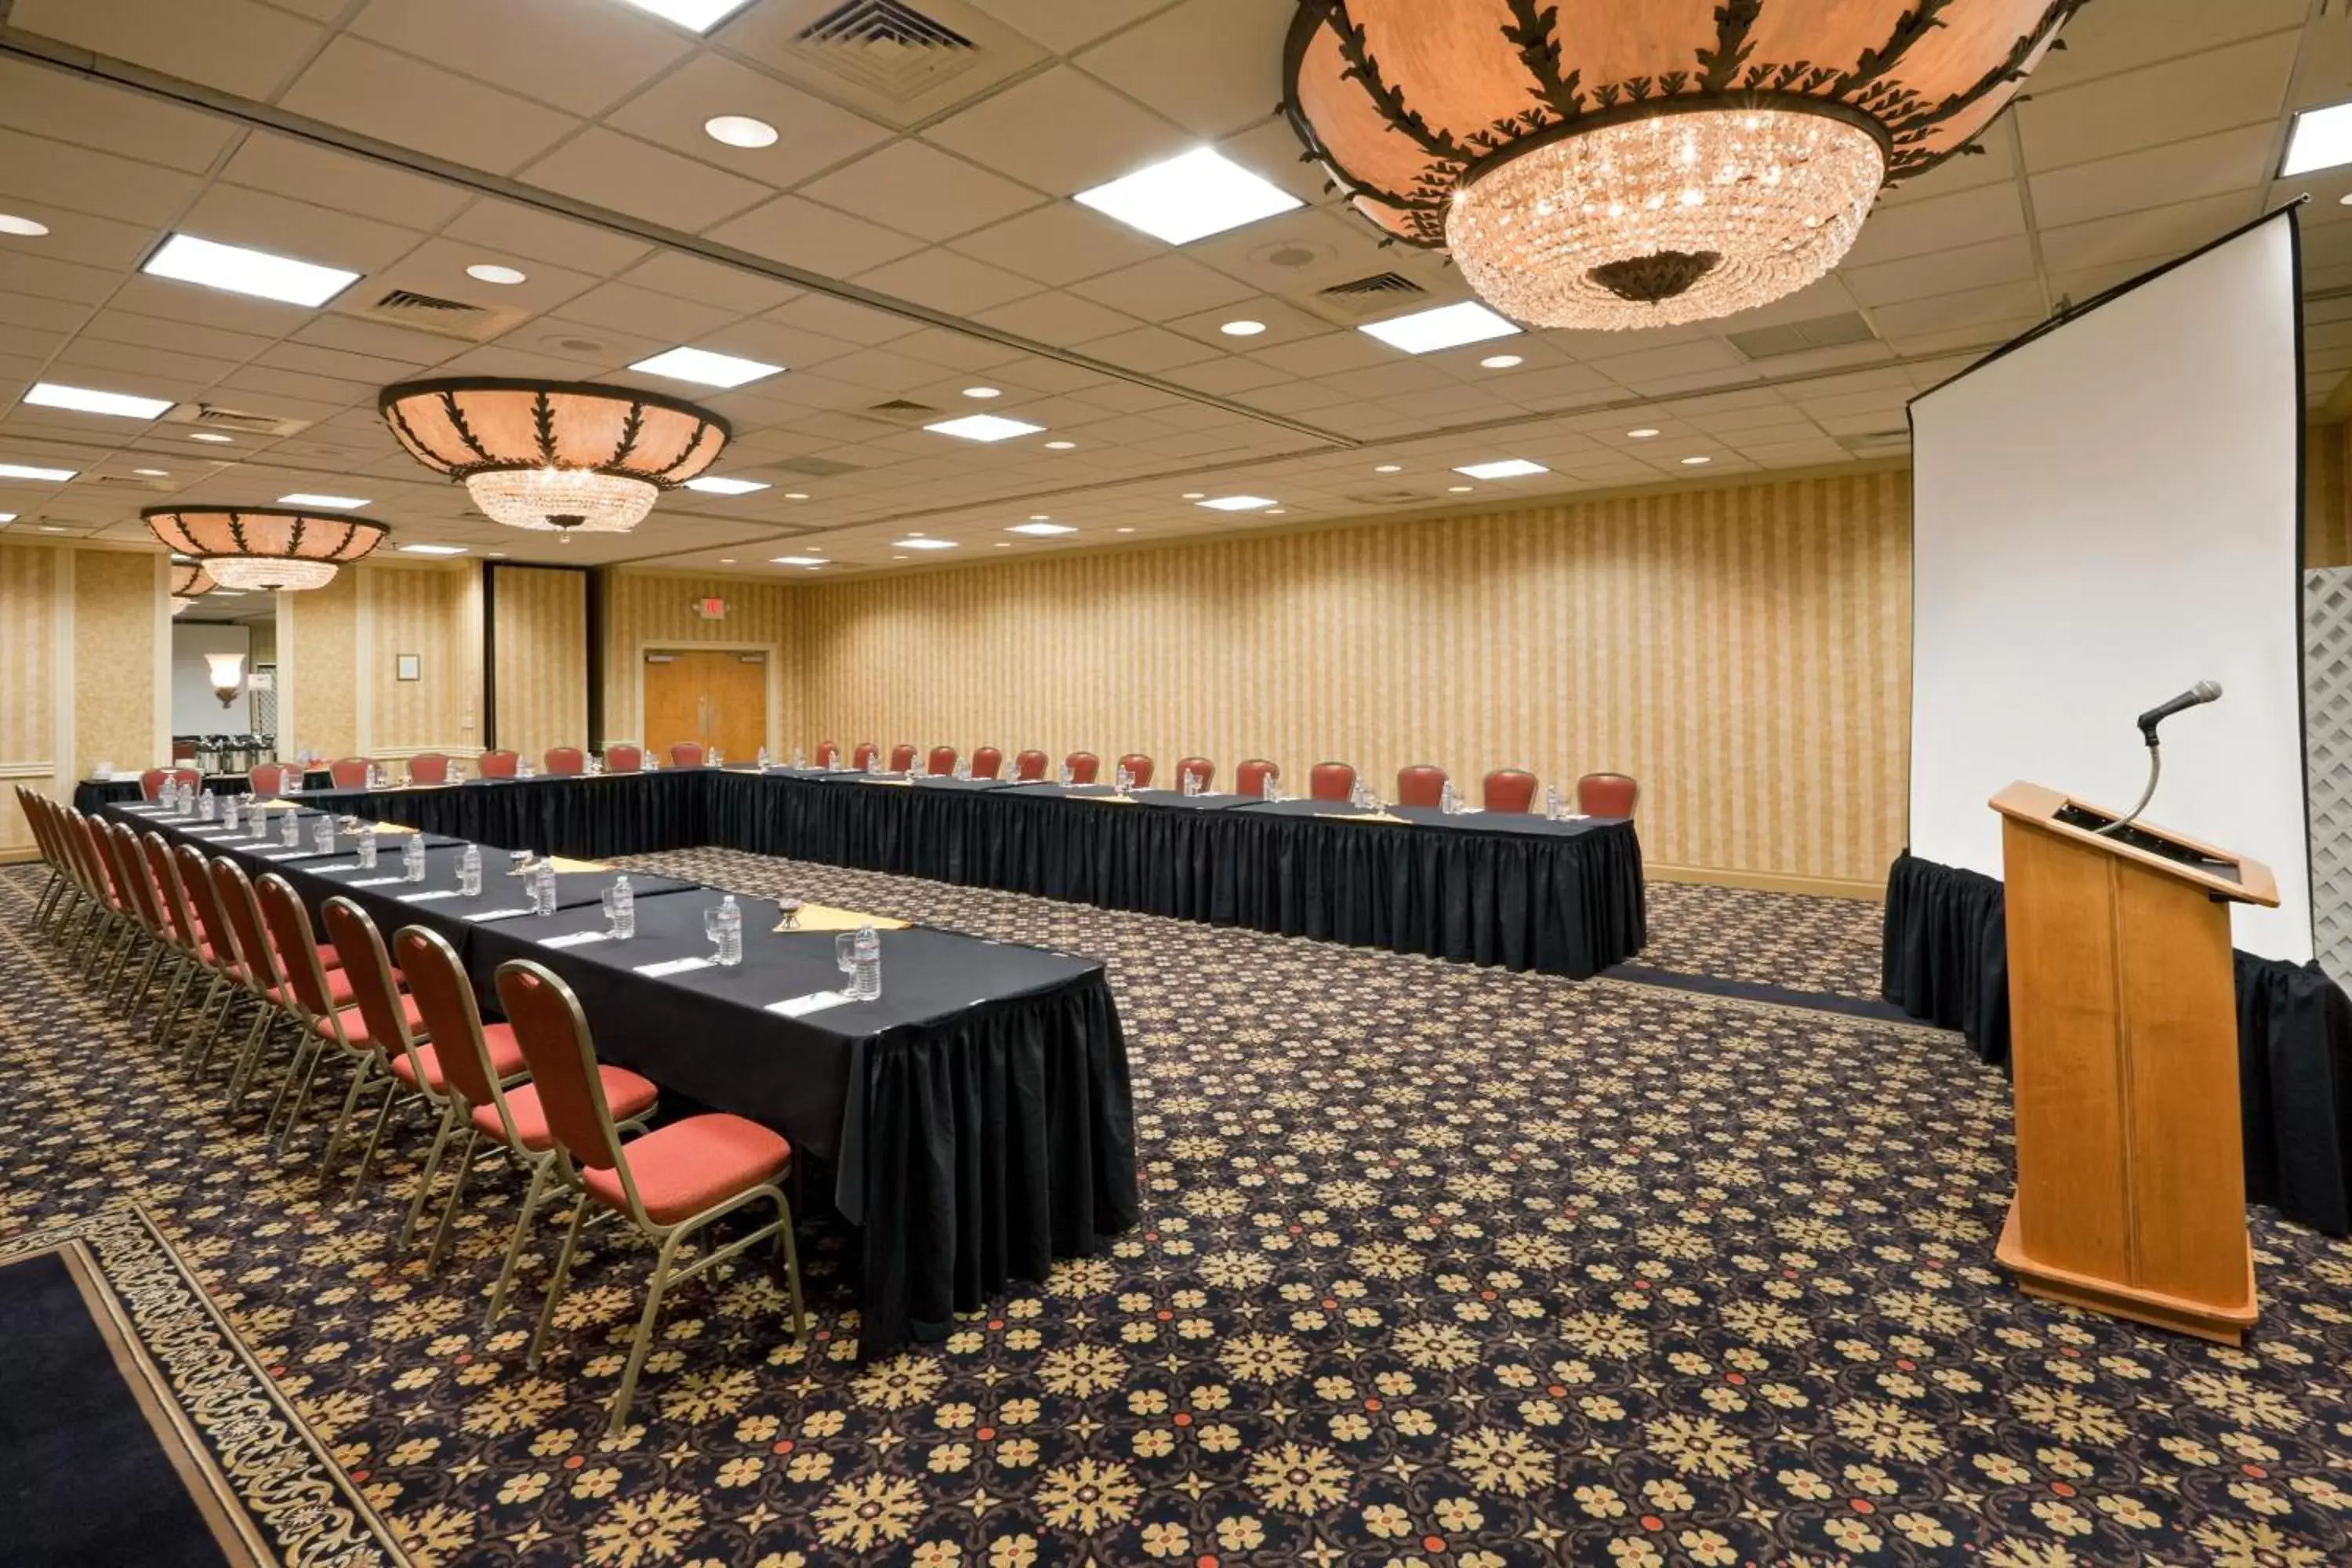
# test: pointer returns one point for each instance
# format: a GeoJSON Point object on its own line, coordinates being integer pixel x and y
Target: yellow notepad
{"type": "Point", "coordinates": [395, 828]}
{"type": "Point", "coordinates": [823, 917]}
{"type": "Point", "coordinates": [561, 864]}
{"type": "Point", "coordinates": [1106, 799]}
{"type": "Point", "coordinates": [1367, 817]}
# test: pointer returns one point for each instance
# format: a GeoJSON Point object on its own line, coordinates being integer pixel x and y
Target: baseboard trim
{"type": "Point", "coordinates": [25, 854]}
{"type": "Point", "coordinates": [1768, 882]}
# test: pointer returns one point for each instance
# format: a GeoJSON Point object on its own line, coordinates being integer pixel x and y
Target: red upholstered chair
{"type": "Point", "coordinates": [1331, 781]}
{"type": "Point", "coordinates": [499, 764]}
{"type": "Point", "coordinates": [1030, 764]}
{"type": "Point", "coordinates": [189, 957]}
{"type": "Point", "coordinates": [322, 1000]}
{"type": "Point", "coordinates": [349, 773]}
{"type": "Point", "coordinates": [1249, 779]}
{"type": "Point", "coordinates": [428, 768]}
{"type": "Point", "coordinates": [562, 762]}
{"type": "Point", "coordinates": [667, 1186]}
{"type": "Point", "coordinates": [147, 932]}
{"type": "Point", "coordinates": [1423, 783]}
{"type": "Point", "coordinates": [1085, 767]}
{"type": "Point", "coordinates": [828, 753]}
{"type": "Point", "coordinates": [257, 970]}
{"type": "Point", "coordinates": [987, 762]}
{"type": "Point", "coordinates": [1200, 768]}
{"type": "Point", "coordinates": [863, 758]}
{"type": "Point", "coordinates": [390, 1028]}
{"type": "Point", "coordinates": [942, 761]}
{"type": "Point", "coordinates": [220, 946]}
{"type": "Point", "coordinates": [1607, 795]}
{"type": "Point", "coordinates": [1138, 769]}
{"type": "Point", "coordinates": [150, 783]}
{"type": "Point", "coordinates": [1510, 789]}
{"type": "Point", "coordinates": [624, 760]}
{"type": "Point", "coordinates": [686, 754]}
{"type": "Point", "coordinates": [902, 757]}
{"type": "Point", "coordinates": [269, 778]}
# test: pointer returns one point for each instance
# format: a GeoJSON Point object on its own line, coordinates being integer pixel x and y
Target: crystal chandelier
{"type": "Point", "coordinates": [574, 456]}
{"type": "Point", "coordinates": [264, 547]}
{"type": "Point", "coordinates": [190, 581]}
{"type": "Point", "coordinates": [1669, 163]}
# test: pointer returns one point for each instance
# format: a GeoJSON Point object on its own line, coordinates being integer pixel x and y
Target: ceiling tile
{"type": "Point", "coordinates": [1058, 318]}
{"type": "Point", "coordinates": [79, 180]}
{"type": "Point", "coordinates": [1163, 289]}
{"type": "Point", "coordinates": [2179, 171]}
{"type": "Point", "coordinates": [1922, 227]}
{"type": "Point", "coordinates": [812, 135]}
{"type": "Point", "coordinates": [285, 167]}
{"type": "Point", "coordinates": [1025, 132]}
{"type": "Point", "coordinates": [241, 46]}
{"type": "Point", "coordinates": [729, 288]}
{"type": "Point", "coordinates": [1942, 272]}
{"type": "Point", "coordinates": [63, 108]}
{"type": "Point", "coordinates": [643, 180]}
{"type": "Point", "coordinates": [236, 216]}
{"type": "Point", "coordinates": [1059, 244]}
{"type": "Point", "coordinates": [664, 317]}
{"type": "Point", "coordinates": [918, 189]}
{"type": "Point", "coordinates": [377, 91]}
{"type": "Point", "coordinates": [2214, 89]}
{"type": "Point", "coordinates": [1063, 26]}
{"type": "Point", "coordinates": [796, 230]}
{"type": "Point", "coordinates": [510, 232]}
{"type": "Point", "coordinates": [946, 281]}
{"type": "Point", "coordinates": [2150, 233]}
{"type": "Point", "coordinates": [1214, 66]}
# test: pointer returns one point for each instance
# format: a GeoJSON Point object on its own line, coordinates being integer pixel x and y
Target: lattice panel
{"type": "Point", "coordinates": [2327, 753]}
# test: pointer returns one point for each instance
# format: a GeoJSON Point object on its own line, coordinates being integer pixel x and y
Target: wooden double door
{"type": "Point", "coordinates": [715, 697]}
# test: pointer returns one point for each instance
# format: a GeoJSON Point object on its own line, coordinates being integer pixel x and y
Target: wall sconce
{"type": "Point", "coordinates": [227, 674]}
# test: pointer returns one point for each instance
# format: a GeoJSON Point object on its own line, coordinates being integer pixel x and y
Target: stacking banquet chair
{"type": "Point", "coordinates": [349, 773]}
{"type": "Point", "coordinates": [1510, 790]}
{"type": "Point", "coordinates": [150, 783]}
{"type": "Point", "coordinates": [1331, 781]}
{"type": "Point", "coordinates": [624, 760]}
{"type": "Point", "coordinates": [268, 779]}
{"type": "Point", "coordinates": [428, 768]}
{"type": "Point", "coordinates": [1085, 767]}
{"type": "Point", "coordinates": [1029, 764]}
{"type": "Point", "coordinates": [941, 762]}
{"type": "Point", "coordinates": [497, 765]}
{"type": "Point", "coordinates": [108, 929]}
{"type": "Point", "coordinates": [322, 1001]}
{"type": "Point", "coordinates": [1607, 795]}
{"type": "Point", "coordinates": [476, 1076]}
{"type": "Point", "coordinates": [1423, 783]}
{"type": "Point", "coordinates": [40, 817]}
{"type": "Point", "coordinates": [1138, 769]}
{"type": "Point", "coordinates": [1200, 768]}
{"type": "Point", "coordinates": [1249, 779]}
{"type": "Point", "coordinates": [987, 762]}
{"type": "Point", "coordinates": [142, 927]}
{"type": "Point", "coordinates": [262, 977]}
{"type": "Point", "coordinates": [828, 753]}
{"type": "Point", "coordinates": [227, 986]}
{"type": "Point", "coordinates": [191, 957]}
{"type": "Point", "coordinates": [666, 1186]}
{"type": "Point", "coordinates": [562, 762]}
{"type": "Point", "coordinates": [902, 758]}
{"type": "Point", "coordinates": [863, 757]}
{"type": "Point", "coordinates": [686, 754]}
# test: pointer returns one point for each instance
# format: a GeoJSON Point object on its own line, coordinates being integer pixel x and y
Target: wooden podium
{"type": "Point", "coordinates": [2131, 1196]}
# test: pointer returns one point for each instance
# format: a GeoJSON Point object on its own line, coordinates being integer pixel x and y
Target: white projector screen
{"type": "Point", "coordinates": [2102, 516]}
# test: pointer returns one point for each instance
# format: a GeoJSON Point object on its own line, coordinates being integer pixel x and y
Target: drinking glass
{"type": "Point", "coordinates": [789, 910]}
{"type": "Point", "coordinates": [845, 958]}
{"type": "Point", "coordinates": [612, 911]}
{"type": "Point", "coordinates": [713, 927]}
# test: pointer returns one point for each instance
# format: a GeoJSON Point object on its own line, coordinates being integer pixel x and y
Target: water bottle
{"type": "Point", "coordinates": [542, 889]}
{"type": "Point", "coordinates": [1551, 802]}
{"type": "Point", "coordinates": [229, 814]}
{"type": "Point", "coordinates": [523, 771]}
{"type": "Point", "coordinates": [292, 836]}
{"type": "Point", "coordinates": [731, 932]}
{"type": "Point", "coordinates": [1271, 787]}
{"type": "Point", "coordinates": [322, 835]}
{"type": "Point", "coordinates": [800, 759]}
{"type": "Point", "coordinates": [717, 759]}
{"type": "Point", "coordinates": [291, 781]}
{"type": "Point", "coordinates": [367, 852]}
{"type": "Point", "coordinates": [625, 909]}
{"type": "Point", "coordinates": [1121, 780]}
{"type": "Point", "coordinates": [168, 796]}
{"type": "Point", "coordinates": [257, 823]}
{"type": "Point", "coordinates": [762, 759]}
{"type": "Point", "coordinates": [470, 871]}
{"type": "Point", "coordinates": [1449, 801]}
{"type": "Point", "coordinates": [411, 858]}
{"type": "Point", "coordinates": [456, 771]}
{"type": "Point", "coordinates": [207, 804]}
{"type": "Point", "coordinates": [1066, 775]}
{"type": "Point", "coordinates": [874, 763]}
{"type": "Point", "coordinates": [865, 978]}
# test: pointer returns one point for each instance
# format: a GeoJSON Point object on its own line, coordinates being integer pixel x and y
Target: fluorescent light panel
{"type": "Point", "coordinates": [1444, 327]}
{"type": "Point", "coordinates": [1190, 197]}
{"type": "Point", "coordinates": [702, 16]}
{"type": "Point", "coordinates": [239, 270]}
{"type": "Point", "coordinates": [331, 503]}
{"type": "Point", "coordinates": [705, 368]}
{"type": "Point", "coordinates": [1505, 469]}
{"type": "Point", "coordinates": [2321, 139]}
{"type": "Point", "coordinates": [1041, 529]}
{"type": "Point", "coordinates": [433, 550]}
{"type": "Point", "coordinates": [713, 486]}
{"type": "Point", "coordinates": [84, 400]}
{"type": "Point", "coordinates": [1237, 503]}
{"type": "Point", "coordinates": [920, 543]}
{"type": "Point", "coordinates": [985, 427]}
{"type": "Point", "coordinates": [798, 561]}
{"type": "Point", "coordinates": [32, 471]}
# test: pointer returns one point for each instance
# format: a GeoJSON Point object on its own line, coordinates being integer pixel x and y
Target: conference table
{"type": "Point", "coordinates": [1512, 889]}
{"type": "Point", "coordinates": [978, 1117]}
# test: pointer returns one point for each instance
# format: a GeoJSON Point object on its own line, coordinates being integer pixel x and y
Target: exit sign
{"type": "Point", "coordinates": [711, 609]}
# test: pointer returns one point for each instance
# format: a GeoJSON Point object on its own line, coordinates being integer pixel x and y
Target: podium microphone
{"type": "Point", "coordinates": [2197, 695]}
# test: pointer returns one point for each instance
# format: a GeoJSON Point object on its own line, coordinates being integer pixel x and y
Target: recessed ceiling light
{"type": "Point", "coordinates": [1695, 462]}
{"type": "Point", "coordinates": [1127, 530]}
{"type": "Point", "coordinates": [1039, 517]}
{"type": "Point", "coordinates": [1003, 545]}
{"type": "Point", "coordinates": [1643, 433]}
{"type": "Point", "coordinates": [11, 223]}
{"type": "Point", "coordinates": [31, 471]}
{"type": "Point", "coordinates": [214, 436]}
{"type": "Point", "coordinates": [51, 527]}
{"type": "Point", "coordinates": [152, 473]}
{"type": "Point", "coordinates": [897, 558]}
{"type": "Point", "coordinates": [1241, 329]}
{"type": "Point", "coordinates": [727, 561]}
{"type": "Point", "coordinates": [1443, 327]}
{"type": "Point", "coordinates": [492, 272]}
{"type": "Point", "coordinates": [740, 131]}
{"type": "Point", "coordinates": [239, 270]}
{"type": "Point", "coordinates": [920, 542]}
{"type": "Point", "coordinates": [1060, 446]}
{"type": "Point", "coordinates": [796, 495]}
{"type": "Point", "coordinates": [983, 428]}
{"type": "Point", "coordinates": [797, 560]}
{"type": "Point", "coordinates": [1041, 529]}
{"type": "Point", "coordinates": [332, 503]}
{"type": "Point", "coordinates": [1504, 469]}
{"type": "Point", "coordinates": [711, 485]}
{"type": "Point", "coordinates": [1389, 468]}
{"type": "Point", "coordinates": [1190, 197]}
{"type": "Point", "coordinates": [1501, 362]}
{"type": "Point", "coordinates": [83, 400]}
{"type": "Point", "coordinates": [705, 368]}
{"type": "Point", "coordinates": [981, 392]}
{"type": "Point", "coordinates": [1237, 503]}
{"type": "Point", "coordinates": [433, 550]}
{"type": "Point", "coordinates": [700, 15]}
{"type": "Point", "coordinates": [2345, 200]}
{"type": "Point", "coordinates": [2319, 139]}
{"type": "Point", "coordinates": [1275, 511]}
{"type": "Point", "coordinates": [1461, 489]}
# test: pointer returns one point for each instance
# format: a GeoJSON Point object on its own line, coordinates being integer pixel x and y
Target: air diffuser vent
{"type": "Point", "coordinates": [1360, 299]}
{"type": "Point", "coordinates": [1796, 337]}
{"type": "Point", "coordinates": [431, 314]}
{"type": "Point", "coordinates": [888, 46]}
{"type": "Point", "coordinates": [904, 411]}
{"type": "Point", "coordinates": [212, 416]}
{"type": "Point", "coordinates": [1390, 497]}
{"type": "Point", "coordinates": [1380, 285]}
{"type": "Point", "coordinates": [816, 468]}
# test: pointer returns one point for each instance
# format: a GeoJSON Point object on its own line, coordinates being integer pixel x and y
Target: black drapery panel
{"type": "Point", "coordinates": [1947, 962]}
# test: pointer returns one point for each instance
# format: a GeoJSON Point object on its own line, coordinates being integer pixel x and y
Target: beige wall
{"type": "Point", "coordinates": [435, 613]}
{"type": "Point", "coordinates": [2327, 498]}
{"type": "Point", "coordinates": [543, 665]}
{"type": "Point", "coordinates": [30, 624]}
{"type": "Point", "coordinates": [318, 669]}
{"type": "Point", "coordinates": [656, 609]}
{"type": "Point", "coordinates": [118, 598]}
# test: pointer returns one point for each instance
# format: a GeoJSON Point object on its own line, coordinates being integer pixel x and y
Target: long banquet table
{"type": "Point", "coordinates": [978, 1116]}
{"type": "Point", "coordinates": [1507, 888]}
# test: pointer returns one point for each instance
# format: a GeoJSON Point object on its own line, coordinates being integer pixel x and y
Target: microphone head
{"type": "Point", "coordinates": [2206, 690]}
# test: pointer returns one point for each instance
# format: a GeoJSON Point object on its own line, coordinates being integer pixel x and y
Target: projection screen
{"type": "Point", "coordinates": [2102, 515]}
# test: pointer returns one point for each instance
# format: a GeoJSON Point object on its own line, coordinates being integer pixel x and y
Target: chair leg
{"type": "Point", "coordinates": [540, 1169]}
{"type": "Point", "coordinates": [317, 1056]}
{"type": "Point", "coordinates": [791, 1263]}
{"type": "Point", "coordinates": [359, 1076]}
{"type": "Point", "coordinates": [555, 1282]}
{"type": "Point", "coordinates": [391, 1101]}
{"type": "Point", "coordinates": [175, 1000]}
{"type": "Point", "coordinates": [256, 1040]}
{"type": "Point", "coordinates": [627, 1394]}
{"type": "Point", "coordinates": [449, 1209]}
{"type": "Point", "coordinates": [194, 1062]}
{"type": "Point", "coordinates": [306, 1052]}
{"type": "Point", "coordinates": [432, 1168]}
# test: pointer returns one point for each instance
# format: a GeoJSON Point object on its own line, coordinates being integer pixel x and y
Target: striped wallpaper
{"type": "Point", "coordinates": [656, 609]}
{"type": "Point", "coordinates": [319, 627]}
{"type": "Point", "coordinates": [542, 660]}
{"type": "Point", "coordinates": [28, 648]}
{"type": "Point", "coordinates": [115, 597]}
{"type": "Point", "coordinates": [435, 613]}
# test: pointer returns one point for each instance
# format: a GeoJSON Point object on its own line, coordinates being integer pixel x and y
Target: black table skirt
{"type": "Point", "coordinates": [91, 794]}
{"type": "Point", "coordinates": [1568, 903]}
{"type": "Point", "coordinates": [1947, 961]}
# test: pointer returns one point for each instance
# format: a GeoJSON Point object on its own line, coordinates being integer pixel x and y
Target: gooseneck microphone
{"type": "Point", "coordinates": [2204, 691]}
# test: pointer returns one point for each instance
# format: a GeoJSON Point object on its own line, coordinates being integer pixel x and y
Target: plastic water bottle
{"type": "Point", "coordinates": [762, 759]}
{"type": "Point", "coordinates": [1066, 775]}
{"type": "Point", "coordinates": [367, 851]}
{"type": "Point", "coordinates": [469, 870]}
{"type": "Point", "coordinates": [731, 932]}
{"type": "Point", "coordinates": [411, 858]}
{"type": "Point", "coordinates": [625, 909]}
{"type": "Point", "coordinates": [1551, 802]}
{"type": "Point", "coordinates": [717, 759]}
{"type": "Point", "coordinates": [800, 759]}
{"type": "Point", "coordinates": [257, 823]}
{"type": "Point", "coordinates": [1121, 780]}
{"type": "Point", "coordinates": [542, 889]}
{"type": "Point", "coordinates": [1271, 787]}
{"type": "Point", "coordinates": [207, 805]}
{"type": "Point", "coordinates": [168, 796]}
{"type": "Point", "coordinates": [866, 977]}
{"type": "Point", "coordinates": [292, 836]}
{"type": "Point", "coordinates": [228, 813]}
{"type": "Point", "coordinates": [322, 835]}
{"type": "Point", "coordinates": [1449, 801]}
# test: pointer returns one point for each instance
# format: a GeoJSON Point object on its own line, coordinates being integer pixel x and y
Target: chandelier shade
{"type": "Point", "coordinates": [190, 581]}
{"type": "Point", "coordinates": [555, 454]}
{"type": "Point", "coordinates": [264, 547]}
{"type": "Point", "coordinates": [226, 673]}
{"type": "Point", "coordinates": [1591, 163]}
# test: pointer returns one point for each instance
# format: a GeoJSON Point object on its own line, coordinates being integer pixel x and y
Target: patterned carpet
{"type": "Point", "coordinates": [1824, 945]}
{"type": "Point", "coordinates": [1442, 1266]}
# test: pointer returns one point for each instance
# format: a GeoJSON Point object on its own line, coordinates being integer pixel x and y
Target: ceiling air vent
{"type": "Point", "coordinates": [1390, 497]}
{"type": "Point", "coordinates": [1877, 443]}
{"type": "Point", "coordinates": [888, 46]}
{"type": "Point", "coordinates": [1381, 286]}
{"type": "Point", "coordinates": [1360, 299]}
{"type": "Point", "coordinates": [212, 416]}
{"type": "Point", "coordinates": [447, 318]}
{"type": "Point", "coordinates": [904, 411]}
{"type": "Point", "coordinates": [1798, 337]}
{"type": "Point", "coordinates": [816, 468]}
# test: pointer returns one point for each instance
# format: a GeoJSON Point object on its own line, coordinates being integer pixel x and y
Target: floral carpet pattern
{"type": "Point", "coordinates": [1829, 946]}
{"type": "Point", "coordinates": [1441, 1267]}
